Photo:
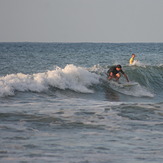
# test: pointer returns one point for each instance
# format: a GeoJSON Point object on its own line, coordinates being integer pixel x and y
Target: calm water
{"type": "Point", "coordinates": [57, 106]}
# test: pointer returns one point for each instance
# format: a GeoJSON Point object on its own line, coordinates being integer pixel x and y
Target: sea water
{"type": "Point", "coordinates": [56, 104]}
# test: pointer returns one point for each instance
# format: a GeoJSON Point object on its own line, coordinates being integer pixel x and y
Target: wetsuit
{"type": "Point", "coordinates": [114, 71]}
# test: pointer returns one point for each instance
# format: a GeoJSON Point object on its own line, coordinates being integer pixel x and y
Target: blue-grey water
{"type": "Point", "coordinates": [56, 104]}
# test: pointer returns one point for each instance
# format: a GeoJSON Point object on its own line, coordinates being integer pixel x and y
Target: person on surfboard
{"type": "Point", "coordinates": [132, 59]}
{"type": "Point", "coordinates": [114, 73]}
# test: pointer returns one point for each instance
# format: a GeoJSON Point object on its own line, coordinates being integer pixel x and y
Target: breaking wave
{"type": "Point", "coordinates": [71, 77]}
{"type": "Point", "coordinates": [84, 80]}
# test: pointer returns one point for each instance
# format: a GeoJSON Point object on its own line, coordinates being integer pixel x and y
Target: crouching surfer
{"type": "Point", "coordinates": [115, 73]}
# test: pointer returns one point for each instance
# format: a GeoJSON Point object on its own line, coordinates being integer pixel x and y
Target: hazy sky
{"type": "Point", "coordinates": [81, 20]}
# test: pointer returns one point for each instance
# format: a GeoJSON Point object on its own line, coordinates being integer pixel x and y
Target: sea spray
{"type": "Point", "coordinates": [138, 63]}
{"type": "Point", "coordinates": [71, 77]}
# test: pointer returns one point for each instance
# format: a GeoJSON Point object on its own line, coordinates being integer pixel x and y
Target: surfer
{"type": "Point", "coordinates": [132, 59]}
{"type": "Point", "coordinates": [114, 72]}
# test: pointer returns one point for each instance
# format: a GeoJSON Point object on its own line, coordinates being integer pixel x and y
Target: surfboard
{"type": "Point", "coordinates": [129, 84]}
{"type": "Point", "coordinates": [123, 85]}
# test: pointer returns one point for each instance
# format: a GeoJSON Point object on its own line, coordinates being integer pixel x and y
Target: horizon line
{"type": "Point", "coordinates": [76, 42]}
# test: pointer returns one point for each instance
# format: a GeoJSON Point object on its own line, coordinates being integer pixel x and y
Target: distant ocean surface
{"type": "Point", "coordinates": [56, 105]}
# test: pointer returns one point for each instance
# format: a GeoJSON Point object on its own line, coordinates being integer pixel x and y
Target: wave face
{"type": "Point", "coordinates": [148, 76]}
{"type": "Point", "coordinates": [148, 80]}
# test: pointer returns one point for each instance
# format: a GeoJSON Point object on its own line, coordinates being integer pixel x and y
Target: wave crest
{"type": "Point", "coordinates": [70, 77]}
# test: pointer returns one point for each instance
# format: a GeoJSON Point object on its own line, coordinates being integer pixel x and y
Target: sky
{"type": "Point", "coordinates": [114, 21]}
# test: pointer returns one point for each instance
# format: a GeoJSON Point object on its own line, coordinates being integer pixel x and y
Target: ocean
{"type": "Point", "coordinates": [57, 106]}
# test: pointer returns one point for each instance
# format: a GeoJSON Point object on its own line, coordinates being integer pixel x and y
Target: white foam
{"type": "Point", "coordinates": [160, 65]}
{"type": "Point", "coordinates": [139, 91]}
{"type": "Point", "coordinates": [71, 77]}
{"type": "Point", "coordinates": [136, 90]}
{"type": "Point", "coordinates": [138, 63]}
